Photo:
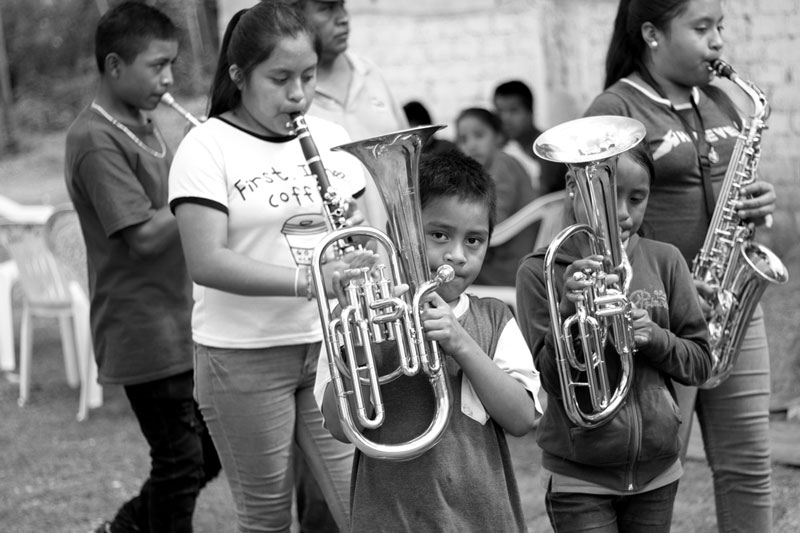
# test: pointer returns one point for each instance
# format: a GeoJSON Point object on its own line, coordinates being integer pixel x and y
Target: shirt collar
{"type": "Point", "coordinates": [462, 306]}
{"type": "Point", "coordinates": [650, 93]}
{"type": "Point", "coordinates": [360, 69]}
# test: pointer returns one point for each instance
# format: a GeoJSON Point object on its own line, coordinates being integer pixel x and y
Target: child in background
{"type": "Point", "coordinates": [479, 135]}
{"type": "Point", "coordinates": [417, 115]}
{"type": "Point", "coordinates": [623, 475]}
{"type": "Point", "coordinates": [465, 482]}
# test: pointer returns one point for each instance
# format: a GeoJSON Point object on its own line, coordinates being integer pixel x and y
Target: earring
{"type": "Point", "coordinates": [653, 44]}
{"type": "Point", "coordinates": [571, 194]}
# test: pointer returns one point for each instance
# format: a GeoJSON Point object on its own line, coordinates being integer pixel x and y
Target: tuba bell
{"type": "Point", "coordinates": [374, 314]}
{"type": "Point", "coordinates": [590, 147]}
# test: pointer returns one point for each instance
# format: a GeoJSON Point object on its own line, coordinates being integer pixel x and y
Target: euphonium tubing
{"type": "Point", "coordinates": [590, 148]}
{"type": "Point", "coordinates": [374, 314]}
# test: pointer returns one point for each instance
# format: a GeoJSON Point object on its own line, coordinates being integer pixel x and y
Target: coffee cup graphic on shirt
{"type": "Point", "coordinates": [303, 232]}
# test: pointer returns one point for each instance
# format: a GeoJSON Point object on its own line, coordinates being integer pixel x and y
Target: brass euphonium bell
{"type": "Point", "coordinates": [590, 147]}
{"type": "Point", "coordinates": [374, 314]}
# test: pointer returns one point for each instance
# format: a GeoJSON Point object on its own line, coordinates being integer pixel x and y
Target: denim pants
{"type": "Point", "coordinates": [257, 404]}
{"type": "Point", "coordinates": [647, 512]}
{"type": "Point", "coordinates": [734, 421]}
{"type": "Point", "coordinates": [183, 458]}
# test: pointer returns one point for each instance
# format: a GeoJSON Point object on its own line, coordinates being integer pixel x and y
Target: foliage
{"type": "Point", "coordinates": [50, 46]}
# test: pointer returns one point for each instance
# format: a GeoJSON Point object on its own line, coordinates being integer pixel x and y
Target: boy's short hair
{"type": "Point", "coordinates": [127, 29]}
{"type": "Point", "coordinates": [518, 89]}
{"type": "Point", "coordinates": [455, 174]}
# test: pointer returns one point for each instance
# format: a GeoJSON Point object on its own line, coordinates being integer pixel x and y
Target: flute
{"type": "Point", "coordinates": [169, 100]}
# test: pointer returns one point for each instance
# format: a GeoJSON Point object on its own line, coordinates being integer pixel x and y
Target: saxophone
{"type": "Point", "coordinates": [729, 260]}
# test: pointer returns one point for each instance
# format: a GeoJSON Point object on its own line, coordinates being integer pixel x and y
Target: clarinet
{"type": "Point", "coordinates": [335, 206]}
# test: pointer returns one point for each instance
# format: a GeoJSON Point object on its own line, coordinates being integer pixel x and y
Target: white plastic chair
{"type": "Point", "coordinates": [12, 214]}
{"type": "Point", "coordinates": [64, 239]}
{"type": "Point", "coordinates": [49, 291]}
{"type": "Point", "coordinates": [547, 210]}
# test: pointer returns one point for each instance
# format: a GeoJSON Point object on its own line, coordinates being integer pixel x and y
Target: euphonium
{"type": "Point", "coordinates": [169, 100]}
{"type": "Point", "coordinates": [374, 314]}
{"type": "Point", "coordinates": [740, 269]}
{"type": "Point", "coordinates": [590, 147]}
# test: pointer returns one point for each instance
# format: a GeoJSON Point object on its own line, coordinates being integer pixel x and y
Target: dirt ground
{"type": "Point", "coordinates": [59, 475]}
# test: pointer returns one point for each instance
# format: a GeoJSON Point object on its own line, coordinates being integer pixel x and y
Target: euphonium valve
{"type": "Point", "coordinates": [590, 148]}
{"type": "Point", "coordinates": [374, 314]}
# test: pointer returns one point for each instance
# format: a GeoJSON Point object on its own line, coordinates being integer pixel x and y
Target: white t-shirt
{"type": "Point", "coordinates": [274, 215]}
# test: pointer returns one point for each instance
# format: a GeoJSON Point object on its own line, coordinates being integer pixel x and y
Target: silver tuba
{"type": "Point", "coordinates": [374, 314]}
{"type": "Point", "coordinates": [590, 147]}
{"type": "Point", "coordinates": [729, 259]}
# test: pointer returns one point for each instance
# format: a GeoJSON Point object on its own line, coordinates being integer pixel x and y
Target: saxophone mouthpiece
{"type": "Point", "coordinates": [722, 69]}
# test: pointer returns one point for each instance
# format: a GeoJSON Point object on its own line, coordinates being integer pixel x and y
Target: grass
{"type": "Point", "coordinates": [60, 475]}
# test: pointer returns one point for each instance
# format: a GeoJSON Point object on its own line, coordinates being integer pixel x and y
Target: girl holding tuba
{"type": "Point", "coordinates": [621, 474]}
{"type": "Point", "coordinates": [659, 71]}
{"type": "Point", "coordinates": [249, 215]}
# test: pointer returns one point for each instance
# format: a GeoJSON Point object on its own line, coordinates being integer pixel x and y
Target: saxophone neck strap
{"type": "Point", "coordinates": [699, 139]}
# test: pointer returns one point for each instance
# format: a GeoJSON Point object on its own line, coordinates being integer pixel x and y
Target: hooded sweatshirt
{"type": "Point", "coordinates": [641, 440]}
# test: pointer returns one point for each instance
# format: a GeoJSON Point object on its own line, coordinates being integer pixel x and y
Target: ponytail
{"type": "Point", "coordinates": [225, 95]}
{"type": "Point", "coordinates": [626, 51]}
{"type": "Point", "coordinates": [623, 50]}
{"type": "Point", "coordinates": [250, 38]}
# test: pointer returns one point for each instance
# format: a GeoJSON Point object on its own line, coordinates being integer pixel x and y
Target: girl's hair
{"type": "Point", "coordinates": [250, 38]}
{"type": "Point", "coordinates": [127, 29]}
{"type": "Point", "coordinates": [627, 47]}
{"type": "Point", "coordinates": [482, 115]}
{"type": "Point", "coordinates": [454, 174]}
{"type": "Point", "coordinates": [641, 155]}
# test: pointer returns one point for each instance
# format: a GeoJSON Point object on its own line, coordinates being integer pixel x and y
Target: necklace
{"type": "Point", "coordinates": [122, 127]}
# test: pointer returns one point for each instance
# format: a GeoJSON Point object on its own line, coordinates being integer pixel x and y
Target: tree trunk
{"type": "Point", "coordinates": [8, 141]}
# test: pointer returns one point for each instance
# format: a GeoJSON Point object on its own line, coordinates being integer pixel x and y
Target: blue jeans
{"type": "Point", "coordinates": [734, 420]}
{"type": "Point", "coordinates": [648, 512]}
{"type": "Point", "coordinates": [183, 458]}
{"type": "Point", "coordinates": [257, 403]}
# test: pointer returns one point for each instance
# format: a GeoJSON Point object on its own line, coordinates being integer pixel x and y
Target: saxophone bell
{"type": "Point", "coordinates": [590, 147]}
